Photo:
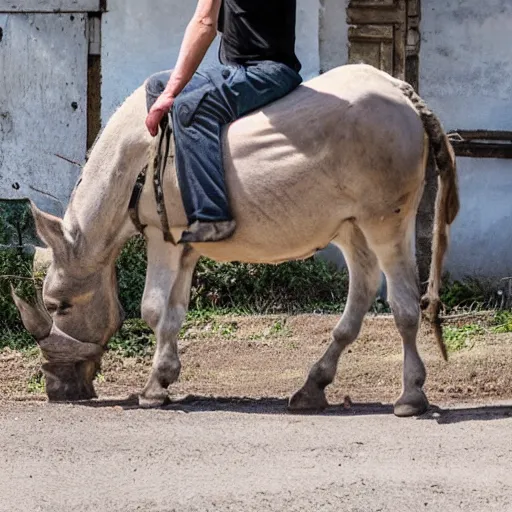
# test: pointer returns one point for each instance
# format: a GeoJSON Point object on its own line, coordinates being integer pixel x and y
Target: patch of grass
{"type": "Point", "coordinates": [36, 383]}
{"type": "Point", "coordinates": [297, 286]}
{"type": "Point", "coordinates": [131, 275]}
{"type": "Point", "coordinates": [458, 338]}
{"type": "Point", "coordinates": [134, 339]}
{"type": "Point", "coordinates": [502, 322]}
{"type": "Point", "coordinates": [16, 271]}
{"type": "Point", "coordinates": [226, 330]}
{"type": "Point", "coordinates": [470, 293]}
{"type": "Point", "coordinates": [279, 328]}
{"type": "Point", "coordinates": [292, 287]}
{"type": "Point", "coordinates": [17, 339]}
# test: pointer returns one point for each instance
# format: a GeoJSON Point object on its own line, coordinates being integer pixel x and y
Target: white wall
{"type": "Point", "coordinates": [142, 37]}
{"type": "Point", "coordinates": [465, 75]}
{"type": "Point", "coordinates": [466, 78]}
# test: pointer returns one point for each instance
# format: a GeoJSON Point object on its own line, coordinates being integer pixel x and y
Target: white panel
{"type": "Point", "coordinates": [139, 39]}
{"type": "Point", "coordinates": [49, 5]}
{"type": "Point", "coordinates": [466, 78]}
{"type": "Point", "coordinates": [333, 34]}
{"type": "Point", "coordinates": [482, 232]}
{"type": "Point", "coordinates": [307, 42]}
{"type": "Point", "coordinates": [43, 104]}
{"type": "Point", "coordinates": [465, 64]}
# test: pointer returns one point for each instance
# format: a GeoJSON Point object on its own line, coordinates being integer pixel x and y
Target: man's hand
{"type": "Point", "coordinates": [159, 109]}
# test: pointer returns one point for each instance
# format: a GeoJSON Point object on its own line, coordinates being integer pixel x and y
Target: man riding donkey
{"type": "Point", "coordinates": [257, 66]}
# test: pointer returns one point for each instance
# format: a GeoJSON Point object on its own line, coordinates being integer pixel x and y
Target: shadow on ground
{"type": "Point", "coordinates": [195, 403]}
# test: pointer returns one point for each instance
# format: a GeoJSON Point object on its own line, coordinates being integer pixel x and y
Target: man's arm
{"type": "Point", "coordinates": [200, 33]}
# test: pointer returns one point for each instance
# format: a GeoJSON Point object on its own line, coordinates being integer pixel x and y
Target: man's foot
{"type": "Point", "coordinates": [208, 231]}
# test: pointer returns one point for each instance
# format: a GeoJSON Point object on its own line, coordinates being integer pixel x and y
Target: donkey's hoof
{"type": "Point", "coordinates": [153, 401]}
{"type": "Point", "coordinates": [311, 400]}
{"type": "Point", "coordinates": [411, 404]}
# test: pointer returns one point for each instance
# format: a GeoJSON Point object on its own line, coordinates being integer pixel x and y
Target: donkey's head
{"type": "Point", "coordinates": [78, 312]}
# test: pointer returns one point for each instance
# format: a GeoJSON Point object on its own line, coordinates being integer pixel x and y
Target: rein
{"type": "Point", "coordinates": [159, 165]}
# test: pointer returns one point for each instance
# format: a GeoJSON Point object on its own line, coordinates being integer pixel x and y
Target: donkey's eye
{"type": "Point", "coordinates": [64, 307]}
{"type": "Point", "coordinates": [51, 307]}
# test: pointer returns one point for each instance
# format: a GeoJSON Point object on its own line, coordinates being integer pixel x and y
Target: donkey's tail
{"type": "Point", "coordinates": [446, 208]}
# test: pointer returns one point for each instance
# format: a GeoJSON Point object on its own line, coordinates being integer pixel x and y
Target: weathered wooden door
{"type": "Point", "coordinates": [384, 33]}
{"type": "Point", "coordinates": [44, 49]}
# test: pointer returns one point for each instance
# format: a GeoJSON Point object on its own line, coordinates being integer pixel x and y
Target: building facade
{"type": "Point", "coordinates": [66, 65]}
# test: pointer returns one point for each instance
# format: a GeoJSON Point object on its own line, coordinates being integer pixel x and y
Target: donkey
{"type": "Point", "coordinates": [342, 159]}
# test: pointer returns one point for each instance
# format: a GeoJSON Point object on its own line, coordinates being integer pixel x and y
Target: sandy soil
{"type": "Point", "coordinates": [269, 356]}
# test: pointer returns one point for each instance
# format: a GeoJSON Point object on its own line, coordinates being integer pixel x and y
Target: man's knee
{"type": "Point", "coordinates": [155, 86]}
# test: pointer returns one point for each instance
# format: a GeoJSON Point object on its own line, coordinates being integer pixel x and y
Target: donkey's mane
{"type": "Point", "coordinates": [118, 154]}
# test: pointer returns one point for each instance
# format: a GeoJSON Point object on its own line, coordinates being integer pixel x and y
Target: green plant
{"type": "Point", "coordinates": [17, 226]}
{"type": "Point", "coordinates": [279, 328]}
{"type": "Point", "coordinates": [16, 339]}
{"type": "Point", "coordinates": [295, 286]}
{"type": "Point", "coordinates": [502, 322]}
{"type": "Point", "coordinates": [471, 293]}
{"type": "Point", "coordinates": [458, 338]}
{"type": "Point", "coordinates": [36, 383]}
{"type": "Point", "coordinates": [16, 271]}
{"type": "Point", "coordinates": [131, 272]}
{"type": "Point", "coordinates": [134, 338]}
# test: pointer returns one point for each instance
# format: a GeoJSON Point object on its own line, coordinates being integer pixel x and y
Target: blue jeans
{"type": "Point", "coordinates": [213, 98]}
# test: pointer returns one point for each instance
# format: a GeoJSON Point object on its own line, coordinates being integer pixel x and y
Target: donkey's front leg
{"type": "Point", "coordinates": [164, 307]}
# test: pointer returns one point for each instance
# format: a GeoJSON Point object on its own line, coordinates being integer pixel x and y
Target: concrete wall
{"type": "Point", "coordinates": [466, 77]}
{"type": "Point", "coordinates": [140, 38]}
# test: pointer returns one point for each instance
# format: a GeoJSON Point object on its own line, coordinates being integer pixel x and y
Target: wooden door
{"type": "Point", "coordinates": [384, 33]}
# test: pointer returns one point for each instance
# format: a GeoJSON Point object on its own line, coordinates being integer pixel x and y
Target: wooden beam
{"type": "Point", "coordinates": [374, 16]}
{"type": "Point", "coordinates": [482, 150]}
{"type": "Point", "coordinates": [482, 143]}
{"type": "Point", "coordinates": [42, 6]}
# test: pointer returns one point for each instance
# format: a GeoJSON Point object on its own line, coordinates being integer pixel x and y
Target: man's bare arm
{"type": "Point", "coordinates": [199, 35]}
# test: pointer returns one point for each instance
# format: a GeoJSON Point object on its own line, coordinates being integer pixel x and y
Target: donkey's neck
{"type": "Point", "coordinates": [98, 209]}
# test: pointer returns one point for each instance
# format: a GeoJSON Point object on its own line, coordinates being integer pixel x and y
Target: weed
{"type": "Point", "coordinates": [471, 293]}
{"type": "Point", "coordinates": [36, 383]}
{"type": "Point", "coordinates": [16, 339]}
{"type": "Point", "coordinates": [134, 339]}
{"type": "Point", "coordinates": [279, 328]}
{"type": "Point", "coordinates": [502, 322]}
{"type": "Point", "coordinates": [458, 338]}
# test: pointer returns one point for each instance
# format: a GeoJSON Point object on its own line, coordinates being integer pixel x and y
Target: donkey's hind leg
{"type": "Point", "coordinates": [364, 281]}
{"type": "Point", "coordinates": [393, 247]}
{"type": "Point", "coordinates": [164, 308]}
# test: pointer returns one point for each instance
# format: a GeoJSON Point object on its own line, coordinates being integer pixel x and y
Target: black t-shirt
{"type": "Point", "coordinates": [254, 30]}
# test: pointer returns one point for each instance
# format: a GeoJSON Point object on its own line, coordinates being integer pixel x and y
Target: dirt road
{"type": "Point", "coordinates": [205, 454]}
{"type": "Point", "coordinates": [249, 456]}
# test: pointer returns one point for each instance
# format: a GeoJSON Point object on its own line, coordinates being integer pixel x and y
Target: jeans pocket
{"type": "Point", "coordinates": [187, 106]}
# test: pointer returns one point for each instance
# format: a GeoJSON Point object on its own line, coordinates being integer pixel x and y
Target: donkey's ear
{"type": "Point", "coordinates": [50, 229]}
{"type": "Point", "coordinates": [36, 319]}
